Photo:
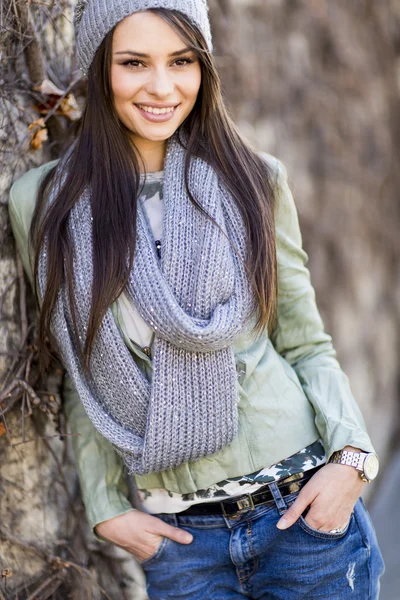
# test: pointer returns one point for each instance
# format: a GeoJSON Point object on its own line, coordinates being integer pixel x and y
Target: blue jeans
{"type": "Point", "coordinates": [248, 557]}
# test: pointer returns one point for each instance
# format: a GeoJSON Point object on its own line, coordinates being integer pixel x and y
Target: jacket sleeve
{"type": "Point", "coordinates": [300, 338]}
{"type": "Point", "coordinates": [100, 469]}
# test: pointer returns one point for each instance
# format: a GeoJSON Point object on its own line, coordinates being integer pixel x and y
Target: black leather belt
{"type": "Point", "coordinates": [231, 507]}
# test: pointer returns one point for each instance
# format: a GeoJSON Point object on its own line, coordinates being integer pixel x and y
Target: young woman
{"type": "Point", "coordinates": [167, 261]}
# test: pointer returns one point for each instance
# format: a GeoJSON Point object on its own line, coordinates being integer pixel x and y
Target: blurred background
{"type": "Point", "coordinates": [314, 82]}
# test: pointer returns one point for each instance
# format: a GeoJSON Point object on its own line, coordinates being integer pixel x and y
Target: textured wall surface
{"type": "Point", "coordinates": [317, 84]}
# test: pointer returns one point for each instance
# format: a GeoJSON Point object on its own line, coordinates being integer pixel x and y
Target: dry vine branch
{"type": "Point", "coordinates": [32, 50]}
{"type": "Point", "coordinates": [55, 562]}
{"type": "Point", "coordinates": [17, 383]}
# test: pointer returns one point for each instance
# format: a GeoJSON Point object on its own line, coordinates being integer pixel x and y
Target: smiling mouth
{"type": "Point", "coordinates": [157, 111]}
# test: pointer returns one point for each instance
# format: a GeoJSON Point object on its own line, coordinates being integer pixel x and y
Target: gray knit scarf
{"type": "Point", "coordinates": [197, 299]}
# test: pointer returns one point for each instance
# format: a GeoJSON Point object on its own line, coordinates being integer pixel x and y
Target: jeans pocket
{"type": "Point", "coordinates": [157, 555]}
{"type": "Point", "coordinates": [327, 535]}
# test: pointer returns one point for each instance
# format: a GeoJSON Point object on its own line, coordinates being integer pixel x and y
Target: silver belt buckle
{"type": "Point", "coordinates": [246, 502]}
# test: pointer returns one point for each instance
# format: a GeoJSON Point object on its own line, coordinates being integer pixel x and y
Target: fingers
{"type": "Point", "coordinates": [296, 509]}
{"type": "Point", "coordinates": [174, 533]}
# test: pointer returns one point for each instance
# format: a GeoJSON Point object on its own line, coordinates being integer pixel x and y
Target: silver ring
{"type": "Point", "coordinates": [339, 529]}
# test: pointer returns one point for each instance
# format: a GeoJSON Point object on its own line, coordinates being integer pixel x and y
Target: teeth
{"type": "Point", "coordinates": [156, 111]}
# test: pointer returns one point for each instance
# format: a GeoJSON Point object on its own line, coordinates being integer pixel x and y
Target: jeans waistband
{"type": "Point", "coordinates": [247, 505]}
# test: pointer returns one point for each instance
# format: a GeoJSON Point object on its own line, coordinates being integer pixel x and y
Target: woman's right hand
{"type": "Point", "coordinates": [139, 533]}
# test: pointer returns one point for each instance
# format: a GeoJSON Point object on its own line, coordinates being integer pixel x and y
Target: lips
{"type": "Point", "coordinates": [157, 114]}
{"type": "Point", "coordinates": [162, 110]}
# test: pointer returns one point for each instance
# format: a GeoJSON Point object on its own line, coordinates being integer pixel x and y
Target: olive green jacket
{"type": "Point", "coordinates": [292, 389]}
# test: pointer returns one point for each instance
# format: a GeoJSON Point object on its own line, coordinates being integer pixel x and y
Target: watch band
{"type": "Point", "coordinates": [347, 457]}
{"type": "Point", "coordinates": [366, 463]}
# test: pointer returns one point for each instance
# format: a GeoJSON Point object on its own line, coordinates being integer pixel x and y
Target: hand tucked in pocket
{"type": "Point", "coordinates": [330, 495]}
{"type": "Point", "coordinates": [140, 534]}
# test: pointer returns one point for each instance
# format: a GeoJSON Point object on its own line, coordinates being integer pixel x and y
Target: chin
{"type": "Point", "coordinates": [158, 136]}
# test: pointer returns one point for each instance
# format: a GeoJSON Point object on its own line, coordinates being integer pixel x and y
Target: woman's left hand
{"type": "Point", "coordinates": [331, 494]}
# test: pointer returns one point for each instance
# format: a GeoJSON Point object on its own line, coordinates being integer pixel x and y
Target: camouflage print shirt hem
{"type": "Point", "coordinates": [160, 500]}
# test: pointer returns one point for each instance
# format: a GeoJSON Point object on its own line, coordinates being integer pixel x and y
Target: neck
{"type": "Point", "coordinates": [152, 154]}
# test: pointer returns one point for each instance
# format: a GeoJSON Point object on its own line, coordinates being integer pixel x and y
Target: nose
{"type": "Point", "coordinates": [160, 83]}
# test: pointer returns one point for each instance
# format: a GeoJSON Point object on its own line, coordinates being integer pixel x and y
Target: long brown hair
{"type": "Point", "coordinates": [105, 158]}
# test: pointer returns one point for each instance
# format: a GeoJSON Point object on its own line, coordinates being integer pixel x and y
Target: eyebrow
{"type": "Point", "coordinates": [141, 55]}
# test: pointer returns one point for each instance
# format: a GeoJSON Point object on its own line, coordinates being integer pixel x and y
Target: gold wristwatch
{"type": "Point", "coordinates": [367, 463]}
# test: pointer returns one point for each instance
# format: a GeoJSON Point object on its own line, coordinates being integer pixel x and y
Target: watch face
{"type": "Point", "coordinates": [371, 466]}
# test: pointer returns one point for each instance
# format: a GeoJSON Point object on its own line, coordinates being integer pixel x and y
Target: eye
{"type": "Point", "coordinates": [182, 62]}
{"type": "Point", "coordinates": [136, 64]}
{"type": "Point", "coordinates": [132, 63]}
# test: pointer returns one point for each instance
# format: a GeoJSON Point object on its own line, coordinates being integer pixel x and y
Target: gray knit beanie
{"type": "Point", "coordinates": [93, 19]}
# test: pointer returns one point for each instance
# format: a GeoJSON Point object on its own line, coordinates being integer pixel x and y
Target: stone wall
{"type": "Point", "coordinates": [317, 84]}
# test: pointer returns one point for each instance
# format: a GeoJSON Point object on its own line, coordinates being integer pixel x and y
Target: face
{"type": "Point", "coordinates": [155, 79]}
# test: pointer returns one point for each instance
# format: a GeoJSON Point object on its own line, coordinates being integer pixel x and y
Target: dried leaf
{"type": "Point", "coordinates": [38, 123]}
{"type": "Point", "coordinates": [2, 432]}
{"type": "Point", "coordinates": [48, 88]}
{"type": "Point", "coordinates": [39, 133]}
{"type": "Point", "coordinates": [69, 108]}
{"type": "Point", "coordinates": [68, 105]}
{"type": "Point", "coordinates": [38, 139]}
